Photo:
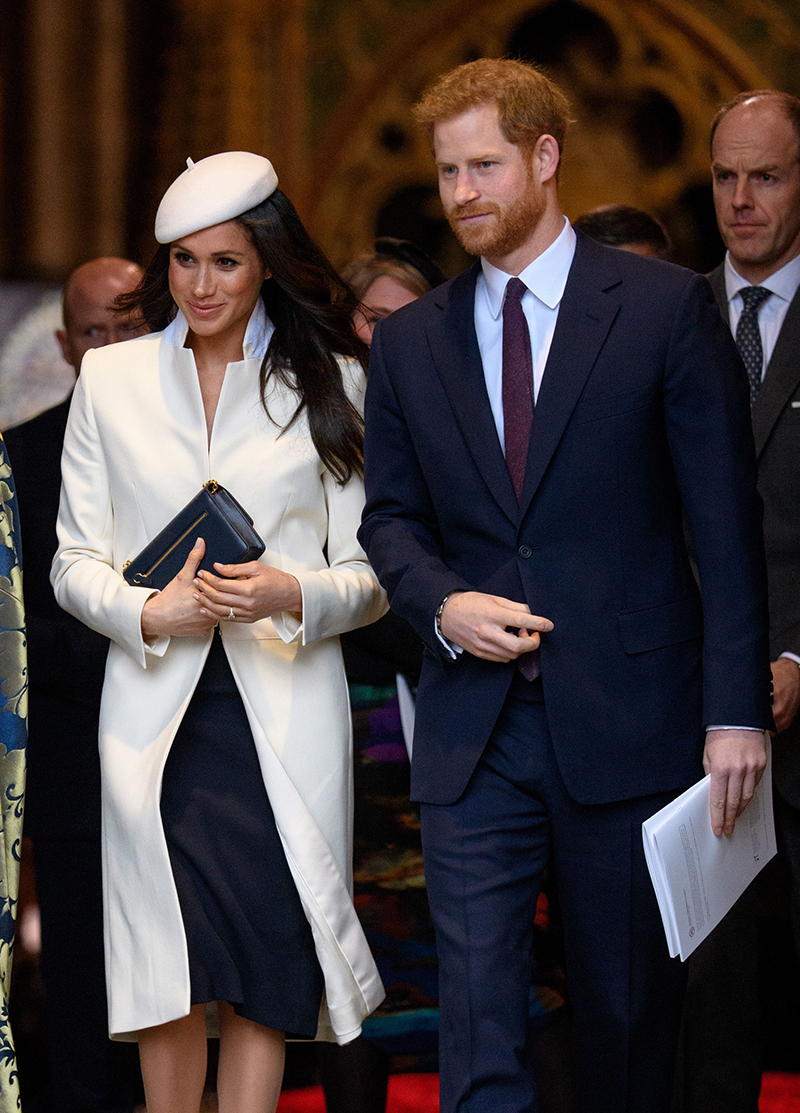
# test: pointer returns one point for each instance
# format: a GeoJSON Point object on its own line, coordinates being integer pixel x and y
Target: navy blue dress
{"type": "Point", "coordinates": [248, 938]}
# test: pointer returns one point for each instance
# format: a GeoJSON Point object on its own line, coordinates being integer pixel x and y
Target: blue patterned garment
{"type": "Point", "coordinates": [13, 735]}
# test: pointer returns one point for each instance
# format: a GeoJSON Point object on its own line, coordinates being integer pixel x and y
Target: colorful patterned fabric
{"type": "Point", "coordinates": [13, 734]}
{"type": "Point", "coordinates": [390, 895]}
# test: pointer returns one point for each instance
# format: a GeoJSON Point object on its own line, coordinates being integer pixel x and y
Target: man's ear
{"type": "Point", "coordinates": [63, 343]}
{"type": "Point", "coordinates": [546, 157]}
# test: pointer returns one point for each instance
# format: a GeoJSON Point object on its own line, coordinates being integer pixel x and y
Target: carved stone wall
{"type": "Point", "coordinates": [101, 102]}
{"type": "Point", "coordinates": [644, 78]}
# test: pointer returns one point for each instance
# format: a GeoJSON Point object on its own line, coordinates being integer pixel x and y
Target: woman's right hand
{"type": "Point", "coordinates": [175, 611]}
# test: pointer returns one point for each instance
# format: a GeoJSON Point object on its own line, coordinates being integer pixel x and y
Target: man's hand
{"type": "Point", "coordinates": [785, 691]}
{"type": "Point", "coordinates": [735, 759]}
{"type": "Point", "coordinates": [478, 623]}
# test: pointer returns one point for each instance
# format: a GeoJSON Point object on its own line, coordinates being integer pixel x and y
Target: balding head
{"type": "Point", "coordinates": [88, 307]}
{"type": "Point", "coordinates": [756, 166]}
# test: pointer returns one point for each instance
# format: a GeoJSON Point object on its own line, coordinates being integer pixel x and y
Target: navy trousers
{"type": "Point", "coordinates": [484, 860]}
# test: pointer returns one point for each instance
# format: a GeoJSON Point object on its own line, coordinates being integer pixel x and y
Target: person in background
{"type": "Point", "coordinates": [626, 227]}
{"type": "Point", "coordinates": [755, 163]}
{"type": "Point", "coordinates": [396, 273]}
{"type": "Point", "coordinates": [389, 882]}
{"type": "Point", "coordinates": [224, 722]}
{"type": "Point", "coordinates": [87, 1072]}
{"type": "Point", "coordinates": [574, 680]}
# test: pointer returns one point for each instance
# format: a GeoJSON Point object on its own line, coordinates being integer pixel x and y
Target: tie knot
{"type": "Point", "coordinates": [515, 288]}
{"type": "Point", "coordinates": [754, 296]}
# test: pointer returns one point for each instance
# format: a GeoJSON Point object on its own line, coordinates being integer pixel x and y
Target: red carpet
{"type": "Point", "coordinates": [418, 1093]}
{"type": "Point", "coordinates": [780, 1093]}
{"type": "Point", "coordinates": [408, 1093]}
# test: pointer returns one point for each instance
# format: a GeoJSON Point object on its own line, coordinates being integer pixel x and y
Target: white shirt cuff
{"type": "Point", "coordinates": [759, 730]}
{"type": "Point", "coordinates": [452, 649]}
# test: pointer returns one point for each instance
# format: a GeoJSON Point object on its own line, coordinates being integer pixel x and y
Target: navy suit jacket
{"type": "Point", "coordinates": [643, 412]}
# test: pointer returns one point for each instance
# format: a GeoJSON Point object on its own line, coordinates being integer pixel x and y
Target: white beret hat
{"type": "Point", "coordinates": [213, 190]}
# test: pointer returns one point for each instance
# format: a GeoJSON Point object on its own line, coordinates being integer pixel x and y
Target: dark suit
{"type": "Point", "coordinates": [722, 1050]}
{"type": "Point", "coordinates": [776, 430]}
{"type": "Point", "coordinates": [642, 410]}
{"type": "Point", "coordinates": [66, 663]}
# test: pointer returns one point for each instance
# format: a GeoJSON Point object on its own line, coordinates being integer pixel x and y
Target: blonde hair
{"type": "Point", "coordinates": [370, 266]}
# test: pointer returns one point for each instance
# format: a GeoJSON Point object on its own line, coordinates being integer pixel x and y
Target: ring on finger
{"type": "Point", "coordinates": [231, 615]}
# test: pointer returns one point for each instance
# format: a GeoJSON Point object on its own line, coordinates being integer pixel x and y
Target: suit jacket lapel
{"type": "Point", "coordinates": [588, 308]}
{"type": "Point", "coordinates": [454, 346]}
{"type": "Point", "coordinates": [783, 372]}
{"type": "Point", "coordinates": [716, 280]}
{"type": "Point", "coordinates": [781, 379]}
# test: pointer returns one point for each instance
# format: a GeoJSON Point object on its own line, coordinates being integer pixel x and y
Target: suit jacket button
{"type": "Point", "coordinates": [525, 551]}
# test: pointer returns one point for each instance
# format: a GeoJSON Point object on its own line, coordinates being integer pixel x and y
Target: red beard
{"type": "Point", "coordinates": [511, 227]}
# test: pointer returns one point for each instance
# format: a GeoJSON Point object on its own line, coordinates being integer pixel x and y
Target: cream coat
{"type": "Point", "coordinates": [136, 450]}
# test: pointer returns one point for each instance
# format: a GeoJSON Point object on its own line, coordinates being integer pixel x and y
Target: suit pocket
{"type": "Point", "coordinates": [596, 407]}
{"type": "Point", "coordinates": [655, 627]}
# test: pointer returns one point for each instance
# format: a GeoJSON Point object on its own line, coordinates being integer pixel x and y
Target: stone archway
{"type": "Point", "coordinates": [644, 79]}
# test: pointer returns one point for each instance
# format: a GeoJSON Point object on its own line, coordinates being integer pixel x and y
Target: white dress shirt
{"type": "Point", "coordinates": [783, 284]}
{"type": "Point", "coordinates": [545, 279]}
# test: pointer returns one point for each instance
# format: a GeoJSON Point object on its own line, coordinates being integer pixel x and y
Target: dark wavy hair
{"type": "Point", "coordinates": [311, 308]}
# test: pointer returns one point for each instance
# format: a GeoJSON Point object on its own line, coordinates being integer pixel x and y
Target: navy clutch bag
{"type": "Point", "coordinates": [213, 514]}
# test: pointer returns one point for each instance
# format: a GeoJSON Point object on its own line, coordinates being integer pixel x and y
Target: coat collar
{"type": "Point", "coordinates": [256, 338]}
{"type": "Point", "coordinates": [454, 345]}
{"type": "Point", "coordinates": [588, 308]}
{"type": "Point", "coordinates": [545, 277]}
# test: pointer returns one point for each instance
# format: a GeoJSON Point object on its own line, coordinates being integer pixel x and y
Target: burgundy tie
{"type": "Point", "coordinates": [517, 383]}
{"type": "Point", "coordinates": [518, 410]}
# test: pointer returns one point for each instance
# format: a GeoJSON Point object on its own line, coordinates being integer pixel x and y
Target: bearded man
{"type": "Point", "coordinates": [534, 430]}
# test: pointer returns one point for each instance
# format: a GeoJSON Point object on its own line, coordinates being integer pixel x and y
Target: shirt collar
{"type": "Point", "coordinates": [783, 283]}
{"type": "Point", "coordinates": [545, 277]}
{"type": "Point", "coordinates": [256, 338]}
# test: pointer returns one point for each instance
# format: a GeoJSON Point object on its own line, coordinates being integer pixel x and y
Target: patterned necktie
{"type": "Point", "coordinates": [518, 410]}
{"type": "Point", "coordinates": [517, 383]}
{"type": "Point", "coordinates": [748, 336]}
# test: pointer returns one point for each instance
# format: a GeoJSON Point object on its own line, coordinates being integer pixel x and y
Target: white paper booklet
{"type": "Point", "coordinates": [698, 876]}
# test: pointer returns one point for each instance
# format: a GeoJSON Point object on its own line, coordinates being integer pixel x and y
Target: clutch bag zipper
{"type": "Point", "coordinates": [174, 545]}
{"type": "Point", "coordinates": [212, 487]}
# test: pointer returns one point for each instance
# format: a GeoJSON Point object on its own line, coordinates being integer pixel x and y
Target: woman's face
{"type": "Point", "coordinates": [215, 276]}
{"type": "Point", "coordinates": [382, 298]}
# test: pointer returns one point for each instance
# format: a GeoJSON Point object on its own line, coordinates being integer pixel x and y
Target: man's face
{"type": "Point", "coordinates": [490, 193]}
{"type": "Point", "coordinates": [90, 322]}
{"type": "Point", "coordinates": [757, 188]}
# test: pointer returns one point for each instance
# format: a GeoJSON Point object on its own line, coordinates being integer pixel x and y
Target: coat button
{"type": "Point", "coordinates": [525, 551]}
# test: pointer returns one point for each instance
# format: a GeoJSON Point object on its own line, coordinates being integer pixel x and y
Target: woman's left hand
{"type": "Point", "coordinates": [248, 592]}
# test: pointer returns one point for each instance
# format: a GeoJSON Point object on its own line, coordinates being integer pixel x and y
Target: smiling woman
{"type": "Point", "coordinates": [215, 277]}
{"type": "Point", "coordinates": [225, 708]}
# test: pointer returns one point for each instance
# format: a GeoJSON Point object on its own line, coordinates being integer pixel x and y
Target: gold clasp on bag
{"type": "Point", "coordinates": [212, 486]}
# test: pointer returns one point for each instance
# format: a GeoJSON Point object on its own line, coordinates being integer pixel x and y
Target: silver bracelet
{"type": "Point", "coordinates": [439, 610]}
